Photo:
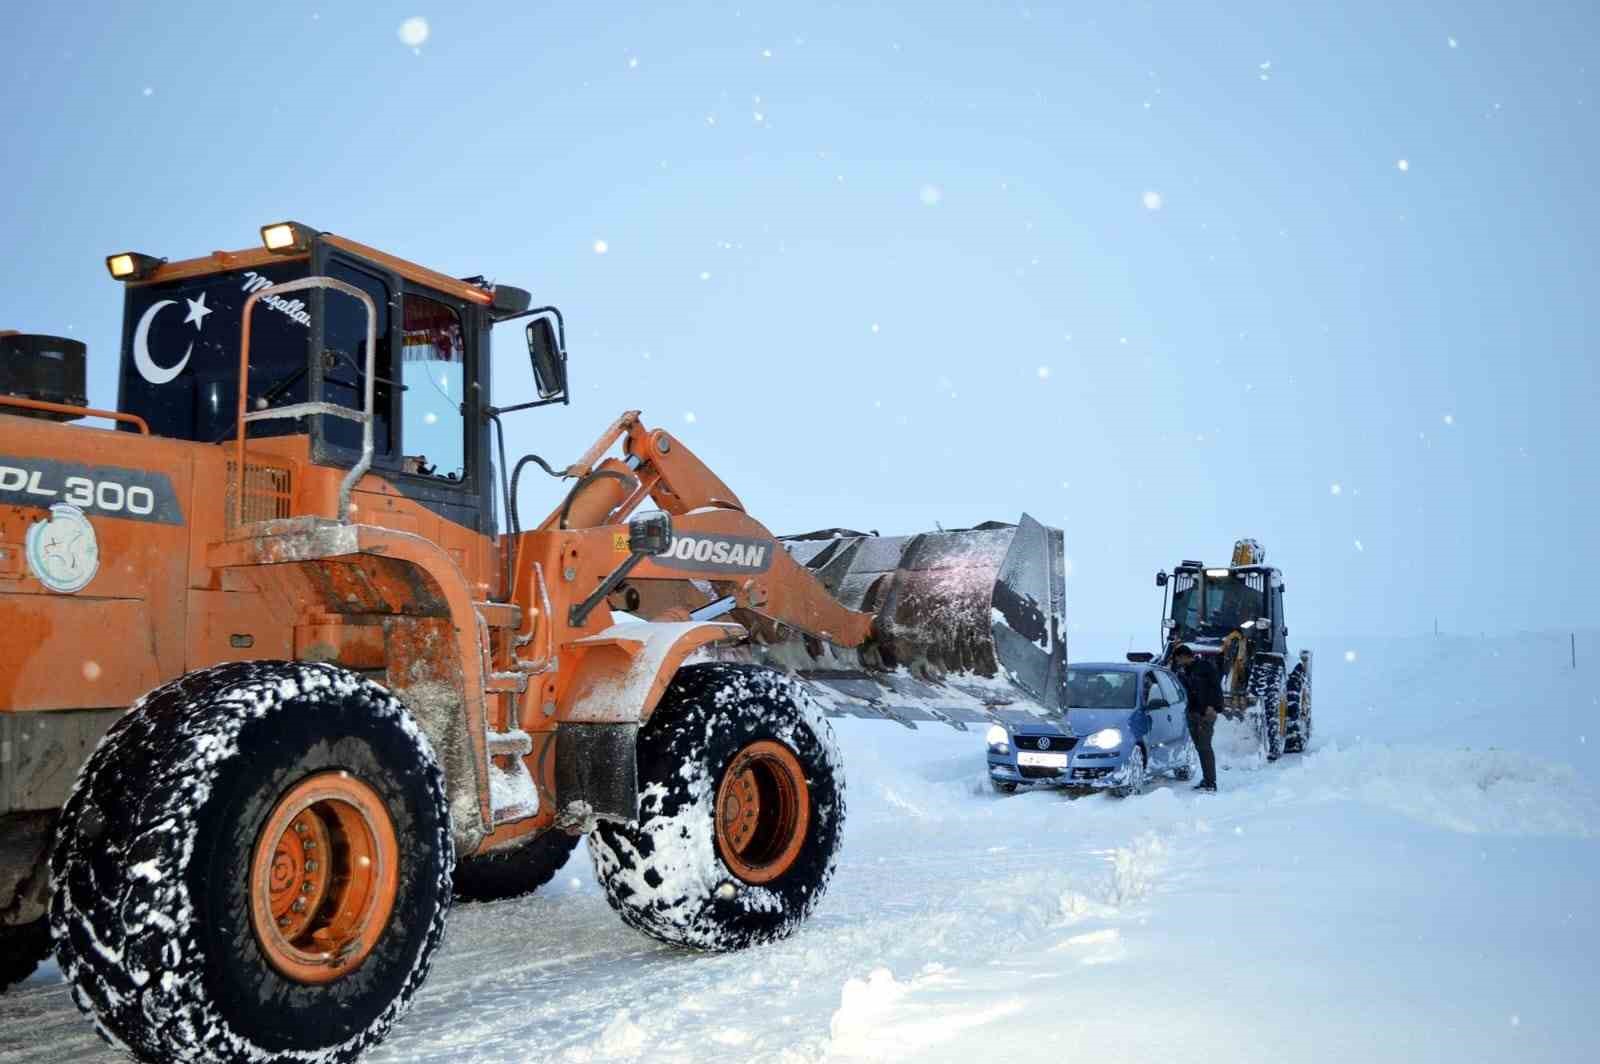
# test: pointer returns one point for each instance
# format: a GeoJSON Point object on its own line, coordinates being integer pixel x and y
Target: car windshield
{"type": "Point", "coordinates": [1220, 604]}
{"type": "Point", "coordinates": [1101, 689]}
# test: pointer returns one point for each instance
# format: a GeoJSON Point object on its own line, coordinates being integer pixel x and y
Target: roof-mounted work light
{"type": "Point", "coordinates": [132, 266]}
{"type": "Point", "coordinates": [287, 238]}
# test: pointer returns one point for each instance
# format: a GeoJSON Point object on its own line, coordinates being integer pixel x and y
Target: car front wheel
{"type": "Point", "coordinates": [1137, 770]}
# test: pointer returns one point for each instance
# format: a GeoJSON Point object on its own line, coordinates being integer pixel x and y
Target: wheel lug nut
{"type": "Point", "coordinates": [299, 906]}
{"type": "Point", "coordinates": [305, 888]}
{"type": "Point", "coordinates": [311, 866]}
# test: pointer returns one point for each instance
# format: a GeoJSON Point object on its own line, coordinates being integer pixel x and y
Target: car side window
{"type": "Point", "coordinates": [1152, 690]}
{"type": "Point", "coordinates": [1170, 688]}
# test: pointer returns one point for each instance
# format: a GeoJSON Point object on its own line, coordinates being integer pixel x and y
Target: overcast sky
{"type": "Point", "coordinates": [1163, 275]}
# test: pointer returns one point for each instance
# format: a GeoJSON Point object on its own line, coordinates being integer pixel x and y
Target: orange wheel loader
{"type": "Point", "coordinates": [276, 685]}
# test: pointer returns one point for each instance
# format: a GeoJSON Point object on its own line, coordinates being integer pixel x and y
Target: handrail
{"type": "Point", "coordinates": [306, 409]}
{"type": "Point", "coordinates": [82, 411]}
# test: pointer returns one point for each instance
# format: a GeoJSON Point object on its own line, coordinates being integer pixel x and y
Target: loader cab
{"type": "Point", "coordinates": [1207, 604]}
{"type": "Point", "coordinates": [431, 380]}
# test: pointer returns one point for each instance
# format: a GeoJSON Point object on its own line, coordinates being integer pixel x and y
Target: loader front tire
{"type": "Point", "coordinates": [22, 947]}
{"type": "Point", "coordinates": [514, 873]}
{"type": "Point", "coordinates": [254, 865]}
{"type": "Point", "coordinates": [1267, 693]}
{"type": "Point", "coordinates": [741, 806]}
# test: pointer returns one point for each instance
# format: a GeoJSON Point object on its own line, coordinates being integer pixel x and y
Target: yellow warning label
{"type": "Point", "coordinates": [619, 542]}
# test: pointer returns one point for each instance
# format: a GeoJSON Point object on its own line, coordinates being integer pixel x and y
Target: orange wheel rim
{"type": "Point", "coordinates": [763, 811]}
{"type": "Point", "coordinates": [323, 878]}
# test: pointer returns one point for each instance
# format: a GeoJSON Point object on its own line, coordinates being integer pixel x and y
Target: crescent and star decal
{"type": "Point", "coordinates": [148, 369]}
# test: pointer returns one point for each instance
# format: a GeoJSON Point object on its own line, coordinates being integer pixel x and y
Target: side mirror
{"type": "Point", "coordinates": [1157, 703]}
{"type": "Point", "coordinates": [650, 533]}
{"type": "Point", "coordinates": [549, 360]}
{"type": "Point", "coordinates": [1161, 579]}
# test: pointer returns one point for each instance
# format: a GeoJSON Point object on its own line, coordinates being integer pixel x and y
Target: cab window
{"type": "Point", "coordinates": [433, 376]}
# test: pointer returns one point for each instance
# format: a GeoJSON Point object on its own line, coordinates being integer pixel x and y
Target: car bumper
{"type": "Point", "coordinates": [1085, 770]}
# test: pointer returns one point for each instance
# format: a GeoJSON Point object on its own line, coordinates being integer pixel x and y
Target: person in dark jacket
{"type": "Point", "coordinates": [1204, 688]}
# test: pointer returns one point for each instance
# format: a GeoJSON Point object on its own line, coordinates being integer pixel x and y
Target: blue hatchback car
{"type": "Point", "coordinates": [1125, 723]}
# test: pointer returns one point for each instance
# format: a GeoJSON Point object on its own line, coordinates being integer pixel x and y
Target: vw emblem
{"type": "Point", "coordinates": [1044, 742]}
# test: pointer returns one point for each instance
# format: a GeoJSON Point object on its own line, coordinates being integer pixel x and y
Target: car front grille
{"type": "Point", "coordinates": [1038, 772]}
{"type": "Point", "coordinates": [1057, 742]}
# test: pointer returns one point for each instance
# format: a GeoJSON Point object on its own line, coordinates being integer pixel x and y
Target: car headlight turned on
{"type": "Point", "coordinates": [998, 738]}
{"type": "Point", "coordinates": [1105, 739]}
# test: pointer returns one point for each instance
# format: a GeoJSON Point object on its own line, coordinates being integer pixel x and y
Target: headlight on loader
{"type": "Point", "coordinates": [1105, 739]}
{"type": "Point", "coordinates": [287, 238]}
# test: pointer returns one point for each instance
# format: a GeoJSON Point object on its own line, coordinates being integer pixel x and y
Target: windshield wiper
{"type": "Point", "coordinates": [265, 400]}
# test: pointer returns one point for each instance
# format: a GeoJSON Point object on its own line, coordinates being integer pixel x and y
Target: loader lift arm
{"type": "Point", "coordinates": [736, 554]}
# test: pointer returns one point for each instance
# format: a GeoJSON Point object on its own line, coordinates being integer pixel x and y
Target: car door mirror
{"type": "Point", "coordinates": [1157, 702]}
{"type": "Point", "coordinates": [548, 358]}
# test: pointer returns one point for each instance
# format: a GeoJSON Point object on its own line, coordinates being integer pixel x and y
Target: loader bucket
{"type": "Point", "coordinates": [969, 625]}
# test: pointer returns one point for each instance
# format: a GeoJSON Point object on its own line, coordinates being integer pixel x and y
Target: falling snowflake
{"type": "Point", "coordinates": [414, 32]}
{"type": "Point", "coordinates": [1449, 419]}
{"type": "Point", "coordinates": [1266, 70]}
{"type": "Point", "coordinates": [633, 62]}
{"type": "Point", "coordinates": [601, 247]}
{"type": "Point", "coordinates": [874, 328]}
{"type": "Point", "coordinates": [1359, 547]}
{"type": "Point", "coordinates": [1451, 41]}
{"type": "Point", "coordinates": [688, 416]}
{"type": "Point", "coordinates": [1349, 655]}
{"type": "Point", "coordinates": [1044, 373]}
{"type": "Point", "coordinates": [1403, 165]}
{"type": "Point", "coordinates": [148, 91]}
{"type": "Point", "coordinates": [766, 53]}
{"type": "Point", "coordinates": [930, 195]}
{"type": "Point", "coordinates": [1152, 201]}
{"type": "Point", "coordinates": [1335, 488]}
{"type": "Point", "coordinates": [430, 418]}
{"type": "Point", "coordinates": [759, 117]}
{"type": "Point", "coordinates": [711, 120]}
{"type": "Point", "coordinates": [705, 275]}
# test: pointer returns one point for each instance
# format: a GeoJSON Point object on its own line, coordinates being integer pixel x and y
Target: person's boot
{"type": "Point", "coordinates": [1209, 788]}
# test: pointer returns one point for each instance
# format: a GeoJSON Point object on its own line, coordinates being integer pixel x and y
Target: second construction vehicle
{"type": "Point", "coordinates": [1235, 613]}
{"type": "Point", "coordinates": [283, 673]}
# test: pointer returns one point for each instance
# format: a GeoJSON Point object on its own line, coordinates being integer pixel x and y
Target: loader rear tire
{"type": "Point", "coordinates": [514, 873]}
{"type": "Point", "coordinates": [1300, 723]}
{"type": "Point", "coordinates": [22, 947]}
{"type": "Point", "coordinates": [254, 865]}
{"type": "Point", "coordinates": [741, 807]}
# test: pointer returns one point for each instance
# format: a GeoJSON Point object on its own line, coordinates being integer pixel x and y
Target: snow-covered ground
{"type": "Point", "coordinates": [1420, 886]}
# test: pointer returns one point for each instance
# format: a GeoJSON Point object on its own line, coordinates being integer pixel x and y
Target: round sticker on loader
{"type": "Point", "coordinates": [63, 551]}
